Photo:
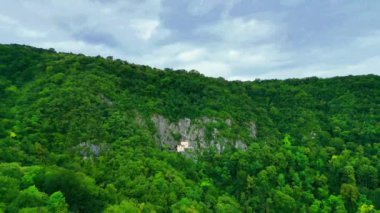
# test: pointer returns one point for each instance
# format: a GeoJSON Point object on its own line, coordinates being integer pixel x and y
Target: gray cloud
{"type": "Point", "coordinates": [93, 37]}
{"type": "Point", "coordinates": [239, 39]}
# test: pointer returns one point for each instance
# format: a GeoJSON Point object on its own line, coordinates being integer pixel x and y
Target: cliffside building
{"type": "Point", "coordinates": [183, 146]}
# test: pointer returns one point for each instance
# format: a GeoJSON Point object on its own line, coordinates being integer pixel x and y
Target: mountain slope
{"type": "Point", "coordinates": [101, 135]}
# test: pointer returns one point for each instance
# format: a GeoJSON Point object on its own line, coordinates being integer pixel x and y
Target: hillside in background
{"type": "Point", "coordinates": [93, 134]}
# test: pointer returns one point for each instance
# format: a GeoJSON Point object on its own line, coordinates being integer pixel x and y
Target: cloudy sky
{"type": "Point", "coordinates": [235, 39]}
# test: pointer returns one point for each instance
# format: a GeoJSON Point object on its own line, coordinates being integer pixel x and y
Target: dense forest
{"type": "Point", "coordinates": [78, 134]}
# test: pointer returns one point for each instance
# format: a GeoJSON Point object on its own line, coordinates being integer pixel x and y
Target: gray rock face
{"type": "Point", "coordinates": [170, 134]}
{"type": "Point", "coordinates": [89, 150]}
{"type": "Point", "coordinates": [240, 145]}
{"type": "Point", "coordinates": [253, 130]}
{"type": "Point", "coordinates": [105, 99]}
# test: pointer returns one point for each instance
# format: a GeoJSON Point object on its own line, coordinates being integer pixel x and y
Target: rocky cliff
{"type": "Point", "coordinates": [201, 134]}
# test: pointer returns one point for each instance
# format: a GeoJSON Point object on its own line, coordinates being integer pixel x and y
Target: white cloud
{"type": "Point", "coordinates": [240, 31]}
{"type": "Point", "coordinates": [214, 61]}
{"type": "Point", "coordinates": [235, 47]}
{"type": "Point", "coordinates": [29, 33]}
{"type": "Point", "coordinates": [122, 25]}
{"type": "Point", "coordinates": [5, 20]}
{"type": "Point", "coordinates": [76, 47]}
{"type": "Point", "coordinates": [10, 26]}
{"type": "Point", "coordinates": [367, 66]}
{"type": "Point", "coordinates": [370, 40]}
{"type": "Point", "coordinates": [191, 55]}
{"type": "Point", "coordinates": [210, 68]}
{"type": "Point", "coordinates": [370, 65]}
{"type": "Point", "coordinates": [145, 28]}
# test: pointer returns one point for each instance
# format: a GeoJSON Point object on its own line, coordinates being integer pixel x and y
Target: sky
{"type": "Point", "coordinates": [233, 39]}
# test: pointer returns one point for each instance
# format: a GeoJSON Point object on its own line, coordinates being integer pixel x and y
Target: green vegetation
{"type": "Point", "coordinates": [76, 135]}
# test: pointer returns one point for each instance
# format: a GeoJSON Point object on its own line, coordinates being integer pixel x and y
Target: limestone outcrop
{"type": "Point", "coordinates": [200, 133]}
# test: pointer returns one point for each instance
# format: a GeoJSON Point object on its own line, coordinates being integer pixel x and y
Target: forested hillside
{"type": "Point", "coordinates": [93, 134]}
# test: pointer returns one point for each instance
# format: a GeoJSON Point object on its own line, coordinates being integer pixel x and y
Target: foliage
{"type": "Point", "coordinates": [76, 135]}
